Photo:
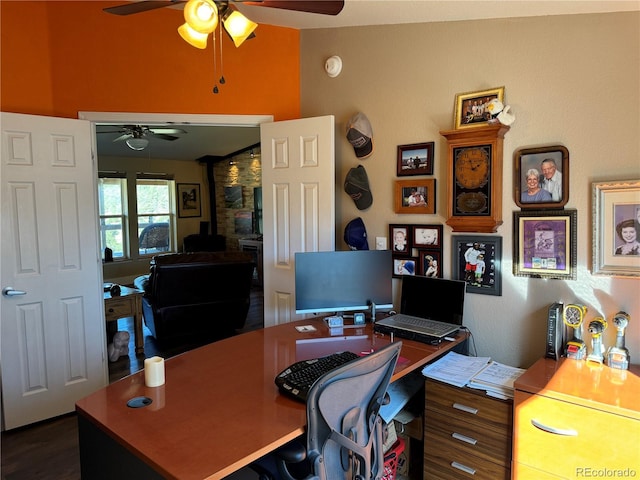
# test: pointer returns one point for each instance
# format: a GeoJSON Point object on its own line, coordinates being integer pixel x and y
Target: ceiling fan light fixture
{"type": "Point", "coordinates": [193, 37]}
{"type": "Point", "coordinates": [238, 26]}
{"type": "Point", "coordinates": [201, 18]}
{"type": "Point", "coordinates": [137, 143]}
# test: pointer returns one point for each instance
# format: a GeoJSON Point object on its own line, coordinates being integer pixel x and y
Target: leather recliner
{"type": "Point", "coordinates": [202, 295]}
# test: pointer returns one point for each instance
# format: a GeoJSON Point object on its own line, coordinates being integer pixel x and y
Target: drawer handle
{"type": "Point", "coordinates": [567, 432]}
{"type": "Point", "coordinates": [464, 468]}
{"type": "Point", "coordinates": [464, 438]}
{"type": "Point", "coordinates": [464, 408]}
{"type": "Point", "coordinates": [111, 310]}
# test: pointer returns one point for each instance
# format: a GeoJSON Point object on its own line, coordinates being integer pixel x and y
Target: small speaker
{"type": "Point", "coordinates": [204, 228]}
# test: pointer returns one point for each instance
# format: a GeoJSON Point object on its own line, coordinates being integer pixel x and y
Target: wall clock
{"type": "Point", "coordinates": [474, 178]}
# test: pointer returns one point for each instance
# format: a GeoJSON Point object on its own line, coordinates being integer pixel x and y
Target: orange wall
{"type": "Point", "coordinates": [61, 57]}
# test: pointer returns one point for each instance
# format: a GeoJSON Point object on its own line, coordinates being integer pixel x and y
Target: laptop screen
{"type": "Point", "coordinates": [433, 298]}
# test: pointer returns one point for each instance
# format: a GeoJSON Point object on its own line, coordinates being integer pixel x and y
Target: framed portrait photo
{"type": "Point", "coordinates": [470, 108]}
{"type": "Point", "coordinates": [400, 237]}
{"type": "Point", "coordinates": [477, 261]}
{"type": "Point", "coordinates": [404, 266]}
{"type": "Point", "coordinates": [189, 201]}
{"type": "Point", "coordinates": [415, 196]}
{"type": "Point", "coordinates": [616, 228]}
{"type": "Point", "coordinates": [415, 159]}
{"type": "Point", "coordinates": [541, 177]}
{"type": "Point", "coordinates": [544, 243]}
{"type": "Point", "coordinates": [430, 263]}
{"type": "Point", "coordinates": [426, 236]}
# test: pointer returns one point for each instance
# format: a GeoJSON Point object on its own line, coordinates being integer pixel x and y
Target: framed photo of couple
{"type": "Point", "coordinates": [541, 177]}
{"type": "Point", "coordinates": [416, 196]}
{"type": "Point", "coordinates": [616, 228]}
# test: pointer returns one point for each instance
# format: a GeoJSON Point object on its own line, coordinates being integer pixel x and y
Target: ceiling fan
{"type": "Point", "coordinates": [324, 7]}
{"type": "Point", "coordinates": [135, 136]}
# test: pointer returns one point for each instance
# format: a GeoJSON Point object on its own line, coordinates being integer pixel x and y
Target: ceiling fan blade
{"type": "Point", "coordinates": [167, 131]}
{"type": "Point", "coordinates": [324, 7]}
{"type": "Point", "coordinates": [123, 137]}
{"type": "Point", "coordinates": [165, 137]}
{"type": "Point", "coordinates": [138, 7]}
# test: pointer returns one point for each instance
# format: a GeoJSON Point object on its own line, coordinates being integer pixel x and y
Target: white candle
{"type": "Point", "coordinates": [154, 371]}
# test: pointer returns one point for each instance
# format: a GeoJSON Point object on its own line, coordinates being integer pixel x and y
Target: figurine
{"type": "Point", "coordinates": [618, 356]}
{"type": "Point", "coordinates": [119, 346]}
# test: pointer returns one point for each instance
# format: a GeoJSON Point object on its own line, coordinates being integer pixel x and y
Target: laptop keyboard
{"type": "Point", "coordinates": [429, 327]}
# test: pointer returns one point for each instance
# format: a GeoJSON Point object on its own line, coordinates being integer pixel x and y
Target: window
{"type": "Point", "coordinates": [154, 200]}
{"type": "Point", "coordinates": [112, 202]}
{"type": "Point", "coordinates": [145, 206]}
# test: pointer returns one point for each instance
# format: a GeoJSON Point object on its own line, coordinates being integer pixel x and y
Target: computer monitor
{"type": "Point", "coordinates": [433, 298]}
{"type": "Point", "coordinates": [343, 281]}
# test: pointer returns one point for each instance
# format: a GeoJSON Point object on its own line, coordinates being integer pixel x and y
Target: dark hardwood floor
{"type": "Point", "coordinates": [49, 450]}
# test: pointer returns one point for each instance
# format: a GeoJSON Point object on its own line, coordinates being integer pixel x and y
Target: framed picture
{"type": "Point", "coordinates": [426, 236]}
{"type": "Point", "coordinates": [477, 260]}
{"type": "Point", "coordinates": [233, 196]}
{"type": "Point", "coordinates": [415, 196]}
{"type": "Point", "coordinates": [541, 177]}
{"type": "Point", "coordinates": [616, 228]}
{"type": "Point", "coordinates": [404, 266]}
{"type": "Point", "coordinates": [544, 243]}
{"type": "Point", "coordinates": [400, 239]}
{"type": "Point", "coordinates": [430, 263]}
{"type": "Point", "coordinates": [243, 223]}
{"type": "Point", "coordinates": [415, 159]}
{"type": "Point", "coordinates": [189, 200]}
{"type": "Point", "coordinates": [470, 108]}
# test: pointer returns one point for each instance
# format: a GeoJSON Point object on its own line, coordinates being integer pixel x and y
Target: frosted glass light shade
{"type": "Point", "coordinates": [137, 143]}
{"type": "Point", "coordinates": [192, 37]}
{"type": "Point", "coordinates": [238, 26]}
{"type": "Point", "coordinates": [201, 15]}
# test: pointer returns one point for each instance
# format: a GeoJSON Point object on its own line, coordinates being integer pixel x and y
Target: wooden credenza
{"type": "Point", "coordinates": [575, 420]}
{"type": "Point", "coordinates": [466, 433]}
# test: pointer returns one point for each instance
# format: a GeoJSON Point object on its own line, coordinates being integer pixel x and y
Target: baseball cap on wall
{"type": "Point", "coordinates": [355, 235]}
{"type": "Point", "coordinates": [356, 184]}
{"type": "Point", "coordinates": [360, 135]}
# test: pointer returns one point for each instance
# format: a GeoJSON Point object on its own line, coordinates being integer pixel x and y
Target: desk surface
{"type": "Point", "coordinates": [219, 408]}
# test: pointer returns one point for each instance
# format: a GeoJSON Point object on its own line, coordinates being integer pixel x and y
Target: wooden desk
{"type": "Point", "coordinates": [127, 304]}
{"type": "Point", "coordinates": [219, 409]}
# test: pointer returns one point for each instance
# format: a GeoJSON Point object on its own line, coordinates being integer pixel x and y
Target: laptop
{"type": "Point", "coordinates": [430, 309]}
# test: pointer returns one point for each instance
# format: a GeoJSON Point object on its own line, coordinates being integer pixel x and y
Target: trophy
{"type": "Point", "coordinates": [618, 356]}
{"type": "Point", "coordinates": [572, 316]}
{"type": "Point", "coordinates": [596, 327]}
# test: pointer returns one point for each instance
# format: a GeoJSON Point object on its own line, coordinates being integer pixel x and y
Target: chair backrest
{"type": "Point", "coordinates": [155, 237]}
{"type": "Point", "coordinates": [344, 429]}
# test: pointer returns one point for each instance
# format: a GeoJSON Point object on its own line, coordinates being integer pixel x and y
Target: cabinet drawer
{"type": "Point", "coordinates": [469, 406]}
{"type": "Point", "coordinates": [468, 439]}
{"type": "Point", "coordinates": [118, 308]}
{"type": "Point", "coordinates": [577, 447]}
{"type": "Point", "coordinates": [447, 462]}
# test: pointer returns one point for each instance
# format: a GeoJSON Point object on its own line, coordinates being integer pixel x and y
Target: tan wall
{"type": "Point", "coordinates": [571, 80]}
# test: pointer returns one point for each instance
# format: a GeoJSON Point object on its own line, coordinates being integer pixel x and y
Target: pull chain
{"type": "Point", "coordinates": [215, 65]}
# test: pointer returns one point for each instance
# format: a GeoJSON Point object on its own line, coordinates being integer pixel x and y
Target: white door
{"type": "Point", "coordinates": [52, 323]}
{"type": "Point", "coordinates": [298, 191]}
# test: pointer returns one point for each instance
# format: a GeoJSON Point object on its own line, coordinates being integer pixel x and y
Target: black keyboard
{"type": "Point", "coordinates": [297, 379]}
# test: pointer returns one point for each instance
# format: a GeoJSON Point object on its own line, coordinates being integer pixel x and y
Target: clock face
{"type": "Point", "coordinates": [472, 167]}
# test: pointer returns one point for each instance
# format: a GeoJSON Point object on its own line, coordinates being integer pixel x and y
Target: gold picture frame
{"type": "Point", "coordinates": [616, 206]}
{"type": "Point", "coordinates": [416, 196]}
{"type": "Point", "coordinates": [467, 111]}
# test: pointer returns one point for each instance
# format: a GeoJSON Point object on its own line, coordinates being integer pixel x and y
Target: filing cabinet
{"type": "Point", "coordinates": [576, 420]}
{"type": "Point", "coordinates": [467, 434]}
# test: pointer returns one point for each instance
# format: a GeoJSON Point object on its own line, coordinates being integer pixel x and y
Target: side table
{"type": "Point", "coordinates": [127, 304]}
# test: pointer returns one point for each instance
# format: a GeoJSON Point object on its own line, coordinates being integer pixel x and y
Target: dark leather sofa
{"type": "Point", "coordinates": [202, 295]}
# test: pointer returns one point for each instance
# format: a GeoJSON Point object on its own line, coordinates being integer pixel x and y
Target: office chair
{"type": "Point", "coordinates": [344, 438]}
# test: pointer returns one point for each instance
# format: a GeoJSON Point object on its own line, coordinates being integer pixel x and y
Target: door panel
{"type": "Point", "coordinates": [298, 178]}
{"type": "Point", "coordinates": [53, 336]}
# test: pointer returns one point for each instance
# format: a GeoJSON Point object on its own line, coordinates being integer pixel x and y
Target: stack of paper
{"type": "Point", "coordinates": [475, 372]}
{"type": "Point", "coordinates": [496, 379]}
{"type": "Point", "coordinates": [455, 369]}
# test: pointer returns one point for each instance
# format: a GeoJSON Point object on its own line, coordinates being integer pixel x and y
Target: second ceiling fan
{"type": "Point", "coordinates": [137, 136]}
